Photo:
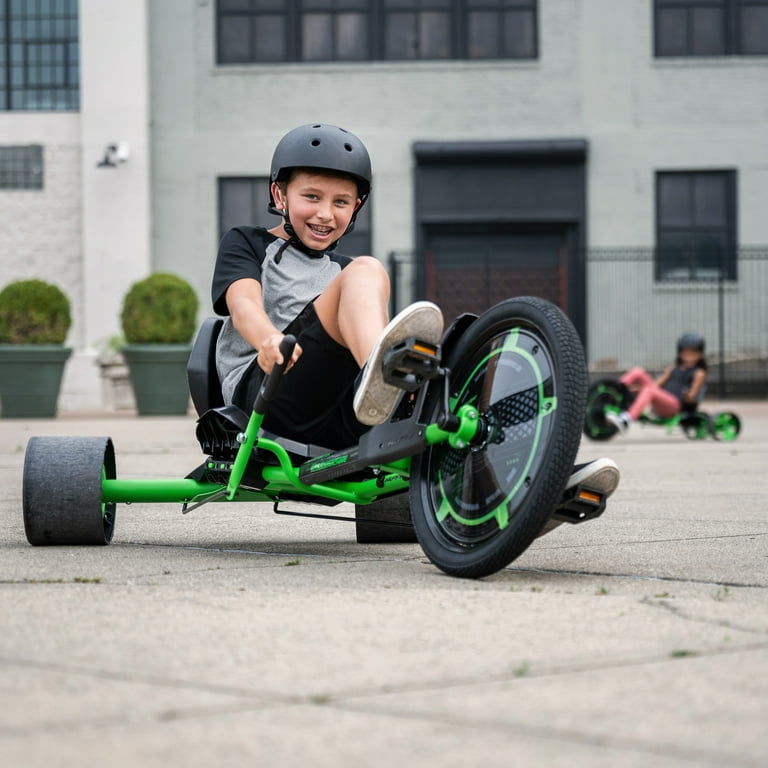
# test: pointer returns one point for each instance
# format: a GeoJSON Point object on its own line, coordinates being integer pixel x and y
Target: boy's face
{"type": "Point", "coordinates": [320, 206]}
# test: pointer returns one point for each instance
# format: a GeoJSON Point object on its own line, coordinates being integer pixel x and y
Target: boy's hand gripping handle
{"type": "Point", "coordinates": [271, 382]}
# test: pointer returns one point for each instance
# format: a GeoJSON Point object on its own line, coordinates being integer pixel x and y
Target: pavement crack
{"type": "Point", "coordinates": [151, 680]}
{"type": "Point", "coordinates": [516, 674]}
{"type": "Point", "coordinates": [524, 728]}
{"type": "Point", "coordinates": [635, 577]}
{"type": "Point", "coordinates": [676, 610]}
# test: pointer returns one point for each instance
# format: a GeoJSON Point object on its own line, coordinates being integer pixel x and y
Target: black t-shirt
{"type": "Point", "coordinates": [290, 278]}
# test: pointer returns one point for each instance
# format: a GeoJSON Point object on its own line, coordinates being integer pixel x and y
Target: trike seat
{"type": "Point", "coordinates": [202, 378]}
{"type": "Point", "coordinates": [219, 424]}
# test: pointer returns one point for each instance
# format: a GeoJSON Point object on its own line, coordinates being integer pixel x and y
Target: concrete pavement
{"type": "Point", "coordinates": [231, 636]}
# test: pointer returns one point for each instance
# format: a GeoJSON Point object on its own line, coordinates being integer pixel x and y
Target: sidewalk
{"type": "Point", "coordinates": [234, 637]}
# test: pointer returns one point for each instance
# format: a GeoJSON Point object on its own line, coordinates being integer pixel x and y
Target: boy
{"type": "Point", "coordinates": [288, 279]}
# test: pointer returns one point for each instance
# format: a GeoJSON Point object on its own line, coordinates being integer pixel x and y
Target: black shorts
{"type": "Point", "coordinates": [314, 402]}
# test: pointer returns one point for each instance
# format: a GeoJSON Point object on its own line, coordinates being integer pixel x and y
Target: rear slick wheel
{"type": "Point", "coordinates": [62, 490]}
{"type": "Point", "coordinates": [477, 508]}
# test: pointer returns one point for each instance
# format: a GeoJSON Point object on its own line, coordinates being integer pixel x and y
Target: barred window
{"type": "Point", "coordinates": [711, 27]}
{"type": "Point", "coordinates": [244, 199]}
{"type": "Point", "coordinates": [264, 31]}
{"type": "Point", "coordinates": [696, 225]}
{"type": "Point", "coordinates": [21, 167]}
{"type": "Point", "coordinates": [39, 55]}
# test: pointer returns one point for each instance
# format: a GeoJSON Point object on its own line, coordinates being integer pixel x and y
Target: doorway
{"type": "Point", "coordinates": [470, 268]}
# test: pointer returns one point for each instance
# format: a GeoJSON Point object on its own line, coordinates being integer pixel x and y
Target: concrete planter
{"type": "Point", "coordinates": [116, 389]}
{"type": "Point", "coordinates": [30, 379]}
{"type": "Point", "coordinates": [159, 377]}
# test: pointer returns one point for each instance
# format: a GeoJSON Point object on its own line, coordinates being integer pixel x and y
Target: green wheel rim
{"type": "Point", "coordinates": [725, 426]}
{"type": "Point", "coordinates": [478, 488]}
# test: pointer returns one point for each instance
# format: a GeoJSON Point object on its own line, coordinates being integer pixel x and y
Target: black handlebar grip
{"type": "Point", "coordinates": [271, 382]}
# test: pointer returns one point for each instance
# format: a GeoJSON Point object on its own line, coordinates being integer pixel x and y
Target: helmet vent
{"type": "Point", "coordinates": [348, 147]}
{"type": "Point", "coordinates": [315, 142]}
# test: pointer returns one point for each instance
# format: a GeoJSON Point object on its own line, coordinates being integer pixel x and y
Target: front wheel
{"type": "Point", "coordinates": [604, 396]}
{"type": "Point", "coordinates": [477, 508]}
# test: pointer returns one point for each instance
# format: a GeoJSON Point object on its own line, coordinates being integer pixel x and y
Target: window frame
{"type": "Point", "coordinates": [56, 66]}
{"type": "Point", "coordinates": [732, 14]}
{"type": "Point", "coordinates": [728, 263]}
{"type": "Point", "coordinates": [376, 13]}
{"type": "Point", "coordinates": [22, 167]}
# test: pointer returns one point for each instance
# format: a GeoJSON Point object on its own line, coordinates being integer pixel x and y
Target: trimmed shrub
{"type": "Point", "coordinates": [160, 309]}
{"type": "Point", "coordinates": [33, 312]}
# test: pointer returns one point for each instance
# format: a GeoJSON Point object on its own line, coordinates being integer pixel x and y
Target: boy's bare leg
{"type": "Point", "coordinates": [353, 308]}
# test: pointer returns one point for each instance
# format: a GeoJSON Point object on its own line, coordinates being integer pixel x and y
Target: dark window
{"type": "Point", "coordinates": [711, 27]}
{"type": "Point", "coordinates": [243, 200]}
{"type": "Point", "coordinates": [374, 30]}
{"type": "Point", "coordinates": [696, 225]}
{"type": "Point", "coordinates": [21, 167]}
{"type": "Point", "coordinates": [39, 57]}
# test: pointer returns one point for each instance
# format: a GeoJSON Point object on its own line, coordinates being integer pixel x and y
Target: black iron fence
{"type": "Point", "coordinates": [632, 318]}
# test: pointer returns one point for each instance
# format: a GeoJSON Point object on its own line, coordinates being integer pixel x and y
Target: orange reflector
{"type": "Point", "coordinates": [590, 496]}
{"type": "Point", "coordinates": [421, 348]}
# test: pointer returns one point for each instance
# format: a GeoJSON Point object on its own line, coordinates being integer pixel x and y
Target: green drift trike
{"type": "Point", "coordinates": [611, 395]}
{"type": "Point", "coordinates": [473, 462]}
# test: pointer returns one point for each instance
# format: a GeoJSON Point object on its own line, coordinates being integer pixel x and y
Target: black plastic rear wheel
{"type": "Point", "coordinates": [477, 508]}
{"type": "Point", "coordinates": [385, 521]}
{"type": "Point", "coordinates": [604, 395]}
{"type": "Point", "coordinates": [62, 490]}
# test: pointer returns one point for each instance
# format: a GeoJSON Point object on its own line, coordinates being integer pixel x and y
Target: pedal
{"type": "Point", "coordinates": [410, 363]}
{"type": "Point", "coordinates": [579, 504]}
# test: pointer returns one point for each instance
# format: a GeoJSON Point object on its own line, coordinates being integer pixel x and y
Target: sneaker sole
{"type": "Point", "coordinates": [602, 475]}
{"type": "Point", "coordinates": [375, 399]}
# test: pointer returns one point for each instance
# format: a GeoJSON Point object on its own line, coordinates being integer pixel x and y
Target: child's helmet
{"type": "Point", "coordinates": [323, 147]}
{"type": "Point", "coordinates": [691, 340]}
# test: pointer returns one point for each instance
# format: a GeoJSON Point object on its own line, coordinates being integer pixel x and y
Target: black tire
{"type": "Point", "coordinates": [602, 394]}
{"type": "Point", "coordinates": [725, 426]}
{"type": "Point", "coordinates": [385, 521]}
{"type": "Point", "coordinates": [696, 426]}
{"type": "Point", "coordinates": [62, 490]}
{"type": "Point", "coordinates": [476, 509]}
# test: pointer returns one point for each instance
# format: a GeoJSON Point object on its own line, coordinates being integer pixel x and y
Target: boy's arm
{"type": "Point", "coordinates": [246, 307]}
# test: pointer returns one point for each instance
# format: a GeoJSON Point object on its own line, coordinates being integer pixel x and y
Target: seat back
{"type": "Point", "coordinates": [202, 378]}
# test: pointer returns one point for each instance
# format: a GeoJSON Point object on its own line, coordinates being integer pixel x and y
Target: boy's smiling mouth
{"type": "Point", "coordinates": [319, 231]}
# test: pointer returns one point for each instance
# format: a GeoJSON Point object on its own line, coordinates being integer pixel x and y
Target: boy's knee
{"type": "Point", "coordinates": [368, 266]}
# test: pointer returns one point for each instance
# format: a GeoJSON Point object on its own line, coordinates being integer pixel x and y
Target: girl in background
{"type": "Point", "coordinates": [680, 387]}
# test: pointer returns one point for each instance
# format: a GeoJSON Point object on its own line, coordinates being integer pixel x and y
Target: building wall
{"type": "Point", "coordinates": [40, 232]}
{"type": "Point", "coordinates": [149, 78]}
{"type": "Point", "coordinates": [596, 78]}
{"type": "Point", "coordinates": [88, 229]}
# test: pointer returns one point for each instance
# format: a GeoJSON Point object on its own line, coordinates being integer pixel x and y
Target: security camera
{"type": "Point", "coordinates": [122, 151]}
{"type": "Point", "coordinates": [115, 153]}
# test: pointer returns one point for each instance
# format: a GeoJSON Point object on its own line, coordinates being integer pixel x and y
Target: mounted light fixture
{"type": "Point", "coordinates": [114, 154]}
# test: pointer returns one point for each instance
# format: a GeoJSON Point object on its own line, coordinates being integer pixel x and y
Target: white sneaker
{"type": "Point", "coordinates": [618, 420]}
{"type": "Point", "coordinates": [375, 399]}
{"type": "Point", "coordinates": [600, 475]}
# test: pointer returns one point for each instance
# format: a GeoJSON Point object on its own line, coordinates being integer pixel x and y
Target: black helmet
{"type": "Point", "coordinates": [691, 341]}
{"type": "Point", "coordinates": [324, 147]}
